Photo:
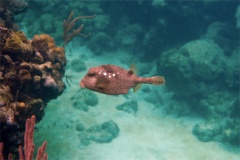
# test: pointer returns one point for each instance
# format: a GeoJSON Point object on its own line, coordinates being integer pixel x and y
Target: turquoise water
{"type": "Point", "coordinates": [194, 45]}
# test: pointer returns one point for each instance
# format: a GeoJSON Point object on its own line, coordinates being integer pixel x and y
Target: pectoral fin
{"type": "Point", "coordinates": [137, 87]}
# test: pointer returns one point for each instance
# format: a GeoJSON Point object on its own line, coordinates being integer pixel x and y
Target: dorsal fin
{"type": "Point", "coordinates": [108, 68]}
{"type": "Point", "coordinates": [133, 68]}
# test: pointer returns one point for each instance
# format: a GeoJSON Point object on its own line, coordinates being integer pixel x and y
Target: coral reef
{"type": "Point", "coordinates": [100, 43]}
{"type": "Point", "coordinates": [129, 34]}
{"type": "Point", "coordinates": [102, 133]}
{"type": "Point", "coordinates": [9, 8]}
{"type": "Point", "coordinates": [202, 74]}
{"type": "Point", "coordinates": [83, 99]}
{"type": "Point", "coordinates": [196, 62]}
{"type": "Point", "coordinates": [178, 108]}
{"type": "Point", "coordinates": [78, 65]}
{"type": "Point", "coordinates": [226, 131]}
{"type": "Point", "coordinates": [122, 24]}
{"type": "Point", "coordinates": [207, 131]}
{"type": "Point", "coordinates": [129, 107]}
{"type": "Point", "coordinates": [68, 26]}
{"type": "Point", "coordinates": [17, 43]}
{"type": "Point", "coordinates": [223, 35]}
{"type": "Point", "coordinates": [207, 84]}
{"type": "Point", "coordinates": [31, 74]}
{"type": "Point", "coordinates": [218, 104]}
{"type": "Point", "coordinates": [16, 6]}
{"type": "Point", "coordinates": [237, 15]}
{"type": "Point", "coordinates": [232, 70]}
{"type": "Point", "coordinates": [28, 151]}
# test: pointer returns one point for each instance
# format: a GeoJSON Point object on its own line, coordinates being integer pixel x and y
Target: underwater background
{"type": "Point", "coordinates": [194, 45]}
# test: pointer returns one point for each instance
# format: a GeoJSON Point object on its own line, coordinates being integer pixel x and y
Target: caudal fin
{"type": "Point", "coordinates": [157, 80]}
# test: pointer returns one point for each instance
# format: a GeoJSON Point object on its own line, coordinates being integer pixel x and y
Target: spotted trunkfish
{"type": "Point", "coordinates": [113, 80]}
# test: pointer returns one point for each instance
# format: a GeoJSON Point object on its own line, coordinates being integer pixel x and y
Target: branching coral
{"type": "Point", "coordinates": [68, 26]}
{"type": "Point", "coordinates": [28, 151]}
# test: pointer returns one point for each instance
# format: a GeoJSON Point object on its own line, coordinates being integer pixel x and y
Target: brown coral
{"type": "Point", "coordinates": [30, 75]}
{"type": "Point", "coordinates": [13, 43]}
{"type": "Point", "coordinates": [24, 75]}
{"type": "Point", "coordinates": [4, 34]}
{"type": "Point", "coordinates": [7, 115]}
{"type": "Point", "coordinates": [18, 46]}
{"type": "Point", "coordinates": [57, 54]}
{"type": "Point", "coordinates": [5, 95]}
{"type": "Point", "coordinates": [45, 47]}
{"type": "Point", "coordinates": [43, 43]}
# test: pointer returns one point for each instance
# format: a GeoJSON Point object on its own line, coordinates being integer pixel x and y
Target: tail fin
{"type": "Point", "coordinates": [158, 80]}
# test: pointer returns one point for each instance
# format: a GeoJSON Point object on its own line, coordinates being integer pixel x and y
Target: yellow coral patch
{"type": "Point", "coordinates": [13, 43]}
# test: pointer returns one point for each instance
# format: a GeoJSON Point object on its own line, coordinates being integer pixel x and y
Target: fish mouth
{"type": "Point", "coordinates": [82, 84]}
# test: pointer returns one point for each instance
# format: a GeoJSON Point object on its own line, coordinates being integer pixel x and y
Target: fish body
{"type": "Point", "coordinates": [113, 80]}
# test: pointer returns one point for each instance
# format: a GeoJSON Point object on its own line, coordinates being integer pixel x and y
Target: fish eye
{"type": "Point", "coordinates": [91, 74]}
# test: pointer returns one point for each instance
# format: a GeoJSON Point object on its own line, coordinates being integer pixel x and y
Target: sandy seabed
{"type": "Point", "coordinates": [147, 135]}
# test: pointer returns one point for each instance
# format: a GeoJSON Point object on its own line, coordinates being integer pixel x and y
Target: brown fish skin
{"type": "Point", "coordinates": [113, 80]}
